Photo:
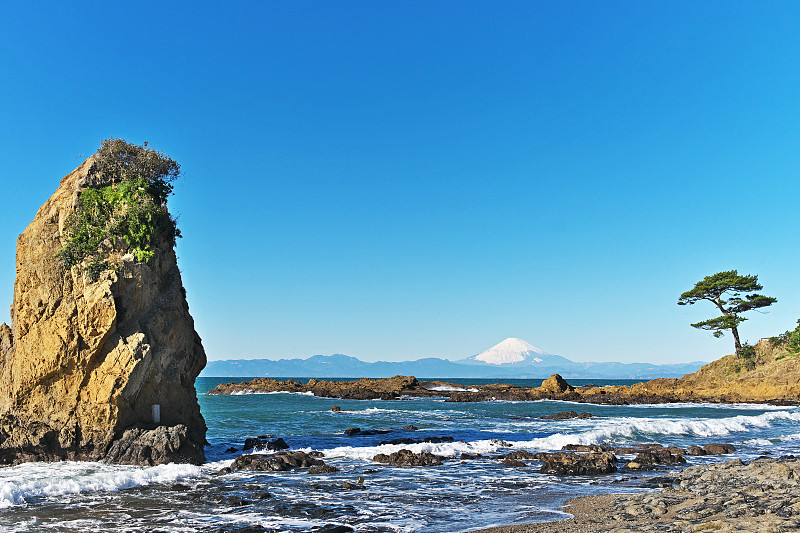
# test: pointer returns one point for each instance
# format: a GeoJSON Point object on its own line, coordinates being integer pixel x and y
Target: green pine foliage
{"type": "Point", "coordinates": [129, 213]}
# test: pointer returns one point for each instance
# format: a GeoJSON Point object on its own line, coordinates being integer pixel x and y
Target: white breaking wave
{"type": "Point", "coordinates": [446, 449]}
{"type": "Point", "coordinates": [38, 480]}
{"type": "Point", "coordinates": [608, 430]}
{"type": "Point", "coordinates": [448, 388]}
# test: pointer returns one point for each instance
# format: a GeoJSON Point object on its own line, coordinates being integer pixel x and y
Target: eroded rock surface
{"type": "Point", "coordinates": [275, 462]}
{"type": "Point", "coordinates": [84, 362]}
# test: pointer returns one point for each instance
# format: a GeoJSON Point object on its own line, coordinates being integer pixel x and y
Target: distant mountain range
{"type": "Point", "coordinates": [512, 358]}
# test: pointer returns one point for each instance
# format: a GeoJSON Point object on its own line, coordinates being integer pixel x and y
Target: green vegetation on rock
{"type": "Point", "coordinates": [789, 340]}
{"type": "Point", "coordinates": [123, 207]}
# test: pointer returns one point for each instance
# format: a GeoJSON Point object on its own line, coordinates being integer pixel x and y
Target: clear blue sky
{"type": "Point", "coordinates": [394, 180]}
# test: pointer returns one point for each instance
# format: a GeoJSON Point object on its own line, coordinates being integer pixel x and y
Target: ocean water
{"type": "Point", "coordinates": [454, 497]}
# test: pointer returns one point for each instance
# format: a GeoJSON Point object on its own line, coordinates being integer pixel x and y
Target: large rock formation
{"type": "Point", "coordinates": [84, 362]}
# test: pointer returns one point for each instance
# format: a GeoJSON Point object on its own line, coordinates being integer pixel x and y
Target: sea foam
{"type": "Point", "coordinates": [38, 480]}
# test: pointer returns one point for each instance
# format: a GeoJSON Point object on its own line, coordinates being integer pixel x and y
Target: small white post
{"type": "Point", "coordinates": [156, 413]}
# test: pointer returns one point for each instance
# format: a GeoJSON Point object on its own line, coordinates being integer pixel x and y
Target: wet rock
{"type": "Point", "coordinates": [232, 450]}
{"type": "Point", "coordinates": [358, 485]}
{"type": "Point", "coordinates": [275, 462]}
{"type": "Point", "coordinates": [322, 469]}
{"type": "Point", "coordinates": [575, 464]}
{"type": "Point", "coordinates": [431, 440]}
{"type": "Point", "coordinates": [471, 456]}
{"type": "Point", "coordinates": [256, 442]}
{"type": "Point", "coordinates": [695, 450]}
{"type": "Point", "coordinates": [351, 431]}
{"type": "Point", "coordinates": [316, 454]}
{"type": "Point", "coordinates": [410, 428]}
{"type": "Point", "coordinates": [517, 455]}
{"type": "Point", "coordinates": [566, 415]}
{"type": "Point", "coordinates": [332, 528]}
{"type": "Point", "coordinates": [718, 449]}
{"type": "Point", "coordinates": [277, 445]}
{"type": "Point", "coordinates": [587, 448]}
{"type": "Point", "coordinates": [406, 457]}
{"type": "Point", "coordinates": [164, 444]}
{"type": "Point", "coordinates": [336, 409]}
{"type": "Point", "coordinates": [512, 462]}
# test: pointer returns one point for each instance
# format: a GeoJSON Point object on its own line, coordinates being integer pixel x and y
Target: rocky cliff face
{"type": "Point", "coordinates": [84, 362]}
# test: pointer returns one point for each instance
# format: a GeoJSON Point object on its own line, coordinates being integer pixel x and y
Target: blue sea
{"type": "Point", "coordinates": [457, 496]}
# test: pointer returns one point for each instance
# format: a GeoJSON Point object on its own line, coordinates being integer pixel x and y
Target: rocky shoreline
{"type": "Point", "coordinates": [758, 496]}
{"type": "Point", "coordinates": [554, 388]}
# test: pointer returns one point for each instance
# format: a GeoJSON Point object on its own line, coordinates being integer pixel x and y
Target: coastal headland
{"type": "Point", "coordinates": [762, 495]}
{"type": "Point", "coordinates": [772, 380]}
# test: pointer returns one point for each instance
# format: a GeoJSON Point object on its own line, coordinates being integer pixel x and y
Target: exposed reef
{"type": "Point", "coordinates": [97, 369]}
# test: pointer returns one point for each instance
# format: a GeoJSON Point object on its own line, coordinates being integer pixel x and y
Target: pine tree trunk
{"type": "Point", "coordinates": [736, 341]}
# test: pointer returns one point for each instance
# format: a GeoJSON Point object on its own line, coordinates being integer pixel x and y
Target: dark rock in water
{"type": "Point", "coordinates": [517, 455]}
{"type": "Point", "coordinates": [585, 448]}
{"type": "Point", "coordinates": [164, 444]}
{"type": "Point", "coordinates": [432, 440]}
{"type": "Point", "coordinates": [718, 449]}
{"type": "Point", "coordinates": [315, 454]}
{"type": "Point", "coordinates": [232, 450]}
{"type": "Point", "coordinates": [695, 450]}
{"type": "Point", "coordinates": [277, 445]}
{"type": "Point", "coordinates": [322, 469]}
{"type": "Point", "coordinates": [364, 432]}
{"type": "Point", "coordinates": [332, 528]}
{"type": "Point", "coordinates": [512, 462]}
{"type": "Point", "coordinates": [275, 462]}
{"type": "Point", "coordinates": [471, 456]}
{"type": "Point", "coordinates": [336, 409]}
{"type": "Point", "coordinates": [574, 464]}
{"type": "Point", "coordinates": [243, 529]}
{"type": "Point", "coordinates": [566, 415]}
{"type": "Point", "coordinates": [410, 428]}
{"type": "Point", "coordinates": [406, 457]}
{"type": "Point", "coordinates": [223, 471]}
{"type": "Point", "coordinates": [251, 443]}
{"type": "Point", "coordinates": [358, 485]}
{"type": "Point", "coordinates": [656, 456]}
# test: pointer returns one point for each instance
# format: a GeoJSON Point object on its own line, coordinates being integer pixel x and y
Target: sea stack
{"type": "Point", "coordinates": [100, 361]}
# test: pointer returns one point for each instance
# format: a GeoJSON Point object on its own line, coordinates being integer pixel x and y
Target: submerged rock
{"type": "Point", "coordinates": [566, 415]}
{"type": "Point", "coordinates": [97, 369]}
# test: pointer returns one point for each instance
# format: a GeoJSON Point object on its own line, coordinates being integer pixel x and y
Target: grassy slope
{"type": "Point", "coordinates": [775, 376]}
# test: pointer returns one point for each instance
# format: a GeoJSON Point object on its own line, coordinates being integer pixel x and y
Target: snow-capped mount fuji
{"type": "Point", "coordinates": [511, 350]}
{"type": "Point", "coordinates": [518, 352]}
{"type": "Point", "coordinates": [512, 358]}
